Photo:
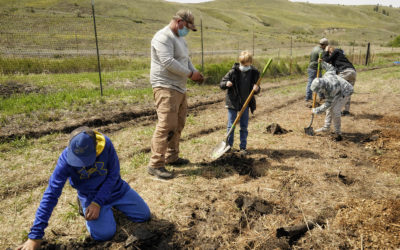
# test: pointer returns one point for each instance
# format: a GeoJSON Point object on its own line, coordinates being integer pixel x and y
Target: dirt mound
{"type": "Point", "coordinates": [243, 165]}
{"type": "Point", "coordinates": [338, 177]}
{"type": "Point", "coordinates": [276, 129]}
{"type": "Point", "coordinates": [252, 208]}
{"type": "Point", "coordinates": [203, 228]}
{"type": "Point", "coordinates": [362, 138]}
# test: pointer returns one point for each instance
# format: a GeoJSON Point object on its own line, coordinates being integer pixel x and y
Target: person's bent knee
{"type": "Point", "coordinates": [141, 215]}
{"type": "Point", "coordinates": [145, 214]}
{"type": "Point", "coordinates": [103, 235]}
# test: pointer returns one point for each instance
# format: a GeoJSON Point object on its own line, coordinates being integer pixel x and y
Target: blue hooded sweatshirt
{"type": "Point", "coordinates": [100, 183]}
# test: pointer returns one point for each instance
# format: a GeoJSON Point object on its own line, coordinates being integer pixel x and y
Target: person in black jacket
{"type": "Point", "coordinates": [344, 68]}
{"type": "Point", "coordinates": [239, 82]}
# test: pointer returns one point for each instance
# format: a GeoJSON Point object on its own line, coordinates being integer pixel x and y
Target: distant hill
{"type": "Point", "coordinates": [227, 24]}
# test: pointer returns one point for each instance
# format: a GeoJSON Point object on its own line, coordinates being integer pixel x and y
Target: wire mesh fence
{"type": "Point", "coordinates": [46, 43]}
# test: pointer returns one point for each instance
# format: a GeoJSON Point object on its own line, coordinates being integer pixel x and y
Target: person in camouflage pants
{"type": "Point", "coordinates": [336, 90]}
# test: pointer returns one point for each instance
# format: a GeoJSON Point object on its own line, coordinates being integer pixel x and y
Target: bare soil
{"type": "Point", "coordinates": [350, 189]}
{"type": "Point", "coordinates": [13, 87]}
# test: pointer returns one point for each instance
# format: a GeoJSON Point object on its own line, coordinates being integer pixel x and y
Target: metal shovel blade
{"type": "Point", "coordinates": [220, 150]}
{"type": "Point", "coordinates": [309, 131]}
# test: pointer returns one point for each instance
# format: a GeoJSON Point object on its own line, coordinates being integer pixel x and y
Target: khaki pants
{"type": "Point", "coordinates": [171, 108]}
{"type": "Point", "coordinates": [350, 76]}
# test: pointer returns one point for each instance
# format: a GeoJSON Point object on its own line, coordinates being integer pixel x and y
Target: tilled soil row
{"type": "Point", "coordinates": [120, 117]}
{"type": "Point", "coordinates": [116, 121]}
{"type": "Point", "coordinates": [113, 118]}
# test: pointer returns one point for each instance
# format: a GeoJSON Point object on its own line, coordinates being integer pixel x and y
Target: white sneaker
{"type": "Point", "coordinates": [322, 130]}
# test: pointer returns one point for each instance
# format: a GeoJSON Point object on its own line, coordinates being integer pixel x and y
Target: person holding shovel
{"type": "Point", "coordinates": [239, 82]}
{"type": "Point", "coordinates": [92, 167]}
{"type": "Point", "coordinates": [312, 69]}
{"type": "Point", "coordinates": [344, 68]}
{"type": "Point", "coordinates": [336, 90]}
{"type": "Point", "coordinates": [169, 71]}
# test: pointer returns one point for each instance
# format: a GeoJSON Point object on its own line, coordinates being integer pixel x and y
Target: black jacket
{"type": "Point", "coordinates": [338, 60]}
{"type": "Point", "coordinates": [237, 94]}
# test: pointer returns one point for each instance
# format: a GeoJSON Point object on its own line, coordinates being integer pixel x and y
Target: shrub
{"type": "Point", "coordinates": [214, 72]}
{"type": "Point", "coordinates": [395, 42]}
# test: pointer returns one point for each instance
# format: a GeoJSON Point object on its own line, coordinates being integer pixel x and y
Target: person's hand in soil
{"type": "Point", "coordinates": [30, 245]}
{"type": "Point", "coordinates": [229, 84]}
{"type": "Point", "coordinates": [92, 211]}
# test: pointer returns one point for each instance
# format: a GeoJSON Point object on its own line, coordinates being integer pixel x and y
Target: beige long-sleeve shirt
{"type": "Point", "coordinates": [170, 62]}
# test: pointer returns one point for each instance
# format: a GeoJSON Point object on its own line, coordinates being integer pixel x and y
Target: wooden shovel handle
{"type": "Point", "coordinates": [248, 100]}
{"type": "Point", "coordinates": [314, 99]}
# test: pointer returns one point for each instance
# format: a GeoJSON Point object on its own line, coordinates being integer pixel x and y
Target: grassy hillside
{"type": "Point", "coordinates": [127, 26]}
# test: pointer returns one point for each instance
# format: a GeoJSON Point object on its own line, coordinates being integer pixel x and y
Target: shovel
{"type": "Point", "coordinates": [309, 130]}
{"type": "Point", "coordinates": [223, 147]}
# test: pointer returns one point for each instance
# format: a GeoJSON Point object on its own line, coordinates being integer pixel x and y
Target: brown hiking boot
{"type": "Point", "coordinates": [161, 173]}
{"type": "Point", "coordinates": [179, 162]}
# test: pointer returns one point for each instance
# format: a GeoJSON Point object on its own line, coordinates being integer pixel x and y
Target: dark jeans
{"type": "Point", "coordinates": [244, 122]}
{"type": "Point", "coordinates": [312, 74]}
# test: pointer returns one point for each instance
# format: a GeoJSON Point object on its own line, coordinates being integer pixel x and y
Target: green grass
{"type": "Point", "coordinates": [75, 99]}
{"type": "Point", "coordinates": [72, 213]}
{"type": "Point", "coordinates": [128, 26]}
{"type": "Point", "coordinates": [73, 90]}
{"type": "Point", "coordinates": [81, 90]}
{"type": "Point", "coordinates": [190, 120]}
{"type": "Point", "coordinates": [138, 160]}
{"type": "Point", "coordinates": [289, 89]}
{"type": "Point", "coordinates": [37, 65]}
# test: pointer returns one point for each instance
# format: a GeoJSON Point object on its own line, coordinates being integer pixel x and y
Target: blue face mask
{"type": "Point", "coordinates": [244, 68]}
{"type": "Point", "coordinates": [183, 32]}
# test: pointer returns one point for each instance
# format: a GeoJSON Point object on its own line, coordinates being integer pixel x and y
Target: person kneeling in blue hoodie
{"type": "Point", "coordinates": [91, 164]}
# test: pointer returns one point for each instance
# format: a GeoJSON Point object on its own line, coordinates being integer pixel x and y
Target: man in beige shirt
{"type": "Point", "coordinates": [170, 69]}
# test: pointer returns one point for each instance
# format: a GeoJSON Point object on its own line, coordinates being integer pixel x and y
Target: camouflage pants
{"type": "Point", "coordinates": [350, 76]}
{"type": "Point", "coordinates": [333, 113]}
